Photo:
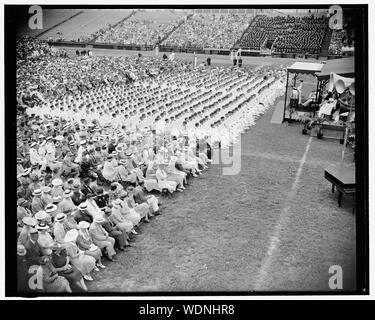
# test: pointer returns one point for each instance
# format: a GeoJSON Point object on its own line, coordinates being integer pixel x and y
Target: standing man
{"type": "Point", "coordinates": [294, 98]}
{"type": "Point", "coordinates": [299, 88]}
{"type": "Point", "coordinates": [195, 60]}
{"type": "Point", "coordinates": [171, 57]}
{"type": "Point", "coordinates": [209, 61]}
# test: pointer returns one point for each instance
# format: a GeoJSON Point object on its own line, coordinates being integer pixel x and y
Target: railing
{"type": "Point", "coordinates": [244, 51]}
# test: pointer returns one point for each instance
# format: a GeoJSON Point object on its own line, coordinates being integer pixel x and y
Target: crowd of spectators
{"type": "Point", "coordinates": [338, 41]}
{"type": "Point", "coordinates": [28, 48]}
{"type": "Point", "coordinates": [55, 76]}
{"type": "Point", "coordinates": [137, 32]}
{"type": "Point", "coordinates": [209, 31]}
{"type": "Point", "coordinates": [290, 34]}
{"type": "Point", "coordinates": [91, 164]}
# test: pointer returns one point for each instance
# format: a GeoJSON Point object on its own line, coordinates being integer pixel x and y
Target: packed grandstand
{"type": "Point", "coordinates": [185, 30]}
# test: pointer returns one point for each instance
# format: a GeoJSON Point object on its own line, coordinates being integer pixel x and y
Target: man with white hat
{"type": "Point", "coordinates": [35, 158]}
{"type": "Point", "coordinates": [23, 275]}
{"type": "Point", "coordinates": [45, 240]}
{"type": "Point", "coordinates": [67, 203]}
{"type": "Point", "coordinates": [28, 223]}
{"type": "Point", "coordinates": [20, 168]}
{"type": "Point", "coordinates": [102, 239]}
{"type": "Point", "coordinates": [58, 227]}
{"type": "Point", "coordinates": [80, 151]}
{"type": "Point", "coordinates": [37, 203]}
{"type": "Point", "coordinates": [50, 150]}
{"type": "Point", "coordinates": [42, 216]}
{"type": "Point", "coordinates": [82, 214]}
{"type": "Point", "coordinates": [22, 210]}
{"type": "Point", "coordinates": [51, 210]}
{"type": "Point", "coordinates": [46, 195]}
{"type": "Point", "coordinates": [57, 187]}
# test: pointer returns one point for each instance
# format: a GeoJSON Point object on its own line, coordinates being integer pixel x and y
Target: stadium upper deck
{"type": "Point", "coordinates": [191, 29]}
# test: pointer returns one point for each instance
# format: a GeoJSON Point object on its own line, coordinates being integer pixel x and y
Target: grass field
{"type": "Point", "coordinates": [263, 229]}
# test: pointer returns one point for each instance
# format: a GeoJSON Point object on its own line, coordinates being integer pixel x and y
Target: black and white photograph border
{"type": "Point", "coordinates": [164, 149]}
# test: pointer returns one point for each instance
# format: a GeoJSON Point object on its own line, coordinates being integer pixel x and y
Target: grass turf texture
{"type": "Point", "coordinates": [215, 236]}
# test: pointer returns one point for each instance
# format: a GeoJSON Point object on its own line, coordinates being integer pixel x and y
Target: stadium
{"type": "Point", "coordinates": [186, 150]}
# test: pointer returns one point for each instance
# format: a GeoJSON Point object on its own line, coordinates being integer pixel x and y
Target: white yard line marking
{"type": "Point", "coordinates": [274, 240]}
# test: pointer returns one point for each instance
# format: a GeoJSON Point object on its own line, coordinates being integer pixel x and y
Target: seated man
{"type": "Point", "coordinates": [102, 239]}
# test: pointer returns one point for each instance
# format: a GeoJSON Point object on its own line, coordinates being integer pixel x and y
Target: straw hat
{"type": "Point", "coordinates": [57, 182]}
{"type": "Point", "coordinates": [46, 189]}
{"type": "Point", "coordinates": [50, 208]}
{"type": "Point", "coordinates": [82, 206]}
{"type": "Point", "coordinates": [67, 193]}
{"type": "Point", "coordinates": [59, 138]}
{"type": "Point", "coordinates": [123, 161]}
{"type": "Point", "coordinates": [29, 221]}
{"type": "Point", "coordinates": [42, 226]}
{"type": "Point", "coordinates": [33, 230]}
{"type": "Point", "coordinates": [41, 215]}
{"type": "Point", "coordinates": [99, 220]}
{"type": "Point", "coordinates": [21, 201]}
{"type": "Point", "coordinates": [37, 192]}
{"type": "Point", "coordinates": [26, 172]}
{"type": "Point", "coordinates": [61, 217]}
{"type": "Point", "coordinates": [119, 149]}
{"type": "Point", "coordinates": [83, 225]}
{"type": "Point", "coordinates": [21, 251]}
{"type": "Point", "coordinates": [56, 199]}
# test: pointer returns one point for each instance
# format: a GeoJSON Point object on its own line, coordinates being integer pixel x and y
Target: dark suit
{"type": "Point", "coordinates": [86, 189]}
{"type": "Point", "coordinates": [34, 253]}
{"type": "Point", "coordinates": [78, 198]}
{"type": "Point", "coordinates": [102, 200]}
{"type": "Point", "coordinates": [81, 216]}
{"type": "Point", "coordinates": [111, 148]}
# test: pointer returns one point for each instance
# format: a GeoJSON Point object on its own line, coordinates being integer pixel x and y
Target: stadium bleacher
{"type": "Point", "coordinates": [207, 30]}
{"type": "Point", "coordinates": [51, 18]}
{"type": "Point", "coordinates": [183, 30]}
{"type": "Point", "coordinates": [143, 28]}
{"type": "Point", "coordinates": [290, 34]}
{"type": "Point", "coordinates": [84, 26]}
